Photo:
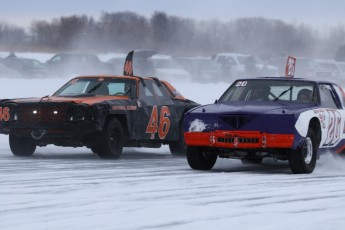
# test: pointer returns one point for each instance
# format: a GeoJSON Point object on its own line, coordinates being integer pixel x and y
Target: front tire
{"type": "Point", "coordinates": [303, 159]}
{"type": "Point", "coordinates": [21, 146]}
{"type": "Point", "coordinates": [110, 142]}
{"type": "Point", "coordinates": [200, 159]}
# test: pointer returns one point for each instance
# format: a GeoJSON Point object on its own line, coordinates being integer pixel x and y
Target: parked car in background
{"type": "Point", "coordinates": [305, 68]}
{"type": "Point", "coordinates": [202, 69]}
{"type": "Point", "coordinates": [148, 63]}
{"type": "Point", "coordinates": [341, 68]}
{"type": "Point", "coordinates": [115, 65]}
{"type": "Point", "coordinates": [166, 68]}
{"type": "Point", "coordinates": [334, 70]}
{"type": "Point", "coordinates": [76, 64]}
{"type": "Point", "coordinates": [27, 67]}
{"type": "Point", "coordinates": [6, 72]}
{"type": "Point", "coordinates": [245, 65]}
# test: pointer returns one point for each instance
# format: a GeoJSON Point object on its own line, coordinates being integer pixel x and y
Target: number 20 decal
{"type": "Point", "coordinates": [161, 125]}
{"type": "Point", "coordinates": [4, 114]}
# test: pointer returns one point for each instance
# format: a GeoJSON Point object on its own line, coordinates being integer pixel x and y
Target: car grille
{"type": "Point", "coordinates": [237, 121]}
{"type": "Point", "coordinates": [240, 140]}
{"type": "Point", "coordinates": [51, 114]}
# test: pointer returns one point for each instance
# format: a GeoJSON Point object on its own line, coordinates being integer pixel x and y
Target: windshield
{"type": "Point", "coordinates": [271, 90]}
{"type": "Point", "coordinates": [98, 87]}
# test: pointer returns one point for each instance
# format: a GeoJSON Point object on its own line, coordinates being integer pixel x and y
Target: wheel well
{"type": "Point", "coordinates": [123, 120]}
{"type": "Point", "coordinates": [182, 120]}
{"type": "Point", "coordinates": [314, 124]}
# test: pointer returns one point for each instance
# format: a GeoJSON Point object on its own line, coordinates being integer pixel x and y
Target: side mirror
{"type": "Point", "coordinates": [216, 101]}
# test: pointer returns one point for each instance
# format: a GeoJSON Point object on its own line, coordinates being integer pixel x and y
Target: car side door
{"type": "Point", "coordinates": [332, 114]}
{"type": "Point", "coordinates": [156, 117]}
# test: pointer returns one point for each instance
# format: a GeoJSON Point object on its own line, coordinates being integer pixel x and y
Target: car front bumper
{"type": "Point", "coordinates": [65, 134]}
{"type": "Point", "coordinates": [239, 139]}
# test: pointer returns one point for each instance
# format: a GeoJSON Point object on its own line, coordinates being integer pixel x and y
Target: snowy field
{"type": "Point", "coordinates": [67, 188]}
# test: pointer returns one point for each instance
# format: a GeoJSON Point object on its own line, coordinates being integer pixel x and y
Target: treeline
{"type": "Point", "coordinates": [124, 31]}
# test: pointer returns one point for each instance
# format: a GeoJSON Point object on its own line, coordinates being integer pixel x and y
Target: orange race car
{"type": "Point", "coordinates": [104, 113]}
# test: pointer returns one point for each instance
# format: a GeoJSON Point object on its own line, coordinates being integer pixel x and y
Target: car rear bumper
{"type": "Point", "coordinates": [239, 139]}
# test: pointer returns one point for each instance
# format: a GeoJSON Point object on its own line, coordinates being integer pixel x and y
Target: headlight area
{"type": "Point", "coordinates": [80, 114]}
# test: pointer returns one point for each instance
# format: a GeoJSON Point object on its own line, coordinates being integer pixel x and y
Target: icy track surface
{"type": "Point", "coordinates": [66, 188]}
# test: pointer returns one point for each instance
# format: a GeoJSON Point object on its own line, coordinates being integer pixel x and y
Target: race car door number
{"type": "Point", "coordinates": [4, 114]}
{"type": "Point", "coordinates": [161, 125]}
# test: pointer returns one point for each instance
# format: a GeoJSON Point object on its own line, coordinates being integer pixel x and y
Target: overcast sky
{"type": "Point", "coordinates": [317, 13]}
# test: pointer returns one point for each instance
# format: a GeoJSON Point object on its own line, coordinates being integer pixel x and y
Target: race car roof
{"type": "Point", "coordinates": [286, 79]}
{"type": "Point", "coordinates": [114, 76]}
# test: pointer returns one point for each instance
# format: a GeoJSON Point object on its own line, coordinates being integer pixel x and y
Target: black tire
{"type": "Point", "coordinates": [110, 142]}
{"type": "Point", "coordinates": [253, 161]}
{"type": "Point", "coordinates": [199, 159]}
{"type": "Point", "coordinates": [179, 148]}
{"type": "Point", "coordinates": [94, 150]}
{"type": "Point", "coordinates": [21, 146]}
{"type": "Point", "coordinates": [303, 159]}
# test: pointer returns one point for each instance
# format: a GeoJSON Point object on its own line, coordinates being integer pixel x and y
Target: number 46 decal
{"type": "Point", "coordinates": [4, 114]}
{"type": "Point", "coordinates": [161, 125]}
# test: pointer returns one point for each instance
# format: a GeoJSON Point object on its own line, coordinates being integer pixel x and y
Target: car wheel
{"type": "Point", "coordinates": [110, 142]}
{"type": "Point", "coordinates": [255, 161]}
{"type": "Point", "coordinates": [178, 148]}
{"type": "Point", "coordinates": [94, 150]}
{"type": "Point", "coordinates": [21, 146]}
{"type": "Point", "coordinates": [199, 159]}
{"type": "Point", "coordinates": [303, 159]}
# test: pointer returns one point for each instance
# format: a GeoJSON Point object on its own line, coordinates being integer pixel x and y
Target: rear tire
{"type": "Point", "coordinates": [199, 159]}
{"type": "Point", "coordinates": [110, 142]}
{"type": "Point", "coordinates": [21, 146]}
{"type": "Point", "coordinates": [303, 159]}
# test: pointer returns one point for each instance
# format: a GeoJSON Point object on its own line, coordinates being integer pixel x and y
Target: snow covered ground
{"type": "Point", "coordinates": [67, 188]}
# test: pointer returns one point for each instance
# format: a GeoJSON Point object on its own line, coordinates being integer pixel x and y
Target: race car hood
{"type": "Point", "coordinates": [270, 107]}
{"type": "Point", "coordinates": [271, 117]}
{"type": "Point", "coordinates": [90, 100]}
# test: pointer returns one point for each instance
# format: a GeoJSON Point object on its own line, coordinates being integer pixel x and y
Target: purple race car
{"type": "Point", "coordinates": [284, 118]}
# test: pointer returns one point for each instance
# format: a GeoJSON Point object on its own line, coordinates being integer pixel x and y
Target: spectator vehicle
{"type": "Point", "coordinates": [334, 71]}
{"type": "Point", "coordinates": [149, 63]}
{"type": "Point", "coordinates": [341, 68]}
{"type": "Point", "coordinates": [115, 65]}
{"type": "Point", "coordinates": [104, 113]}
{"type": "Point", "coordinates": [305, 67]}
{"type": "Point", "coordinates": [6, 72]}
{"type": "Point", "coordinates": [27, 67]}
{"type": "Point", "coordinates": [76, 64]}
{"type": "Point", "coordinates": [289, 119]}
{"type": "Point", "coordinates": [242, 65]}
{"type": "Point", "coordinates": [167, 68]}
{"type": "Point", "coordinates": [202, 69]}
